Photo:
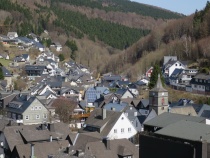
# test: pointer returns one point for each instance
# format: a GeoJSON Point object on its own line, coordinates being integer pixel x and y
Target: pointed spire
{"type": "Point", "coordinates": [159, 85]}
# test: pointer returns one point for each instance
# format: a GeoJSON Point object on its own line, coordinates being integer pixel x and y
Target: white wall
{"type": "Point", "coordinates": [176, 65]}
{"type": "Point", "coordinates": [122, 123]}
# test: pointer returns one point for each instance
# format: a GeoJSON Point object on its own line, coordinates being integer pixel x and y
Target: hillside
{"type": "Point", "coordinates": [187, 38]}
{"type": "Point", "coordinates": [108, 26]}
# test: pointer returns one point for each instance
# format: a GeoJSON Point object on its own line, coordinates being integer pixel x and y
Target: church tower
{"type": "Point", "coordinates": [158, 98]}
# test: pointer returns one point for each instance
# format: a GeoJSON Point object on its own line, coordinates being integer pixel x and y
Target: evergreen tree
{"type": "Point", "coordinates": [1, 74]}
{"type": "Point", "coordinates": [154, 76]}
{"type": "Point", "coordinates": [61, 57]}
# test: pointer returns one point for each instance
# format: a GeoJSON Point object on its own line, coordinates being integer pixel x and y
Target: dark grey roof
{"type": "Point", "coordinates": [206, 114]}
{"type": "Point", "coordinates": [142, 118]}
{"type": "Point", "coordinates": [112, 78]}
{"type": "Point", "coordinates": [144, 102]}
{"type": "Point", "coordinates": [23, 102]}
{"type": "Point", "coordinates": [42, 149]}
{"type": "Point", "coordinates": [83, 138]}
{"type": "Point", "coordinates": [166, 119]}
{"type": "Point", "coordinates": [158, 87]}
{"type": "Point", "coordinates": [118, 147]}
{"type": "Point", "coordinates": [95, 120]}
{"type": "Point", "coordinates": [117, 106]}
{"type": "Point", "coordinates": [187, 130]}
{"type": "Point", "coordinates": [167, 58]}
{"type": "Point", "coordinates": [6, 72]}
{"type": "Point", "coordinates": [35, 67]}
{"type": "Point", "coordinates": [175, 74]}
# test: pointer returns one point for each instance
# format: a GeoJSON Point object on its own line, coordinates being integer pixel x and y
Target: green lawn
{"type": "Point", "coordinates": [5, 62]}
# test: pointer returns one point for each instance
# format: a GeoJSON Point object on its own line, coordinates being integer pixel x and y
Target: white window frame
{"type": "Point", "coordinates": [32, 108]}
{"type": "Point", "coordinates": [40, 108]}
{"type": "Point", "coordinates": [37, 117]}
{"type": "Point", "coordinates": [122, 130]}
{"type": "Point", "coordinates": [27, 117]}
{"type": "Point", "coordinates": [36, 108]}
{"type": "Point", "coordinates": [129, 130]}
{"type": "Point", "coordinates": [115, 130]}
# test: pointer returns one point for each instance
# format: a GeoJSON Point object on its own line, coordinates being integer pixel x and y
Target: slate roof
{"type": "Point", "coordinates": [16, 135]}
{"type": "Point", "coordinates": [175, 74]}
{"type": "Point", "coordinates": [184, 110]}
{"type": "Point", "coordinates": [6, 72]}
{"type": "Point", "coordinates": [117, 106]}
{"type": "Point", "coordinates": [167, 58]}
{"type": "Point", "coordinates": [203, 107]}
{"type": "Point", "coordinates": [187, 130]}
{"type": "Point", "coordinates": [166, 119]}
{"type": "Point", "coordinates": [158, 87]}
{"type": "Point", "coordinates": [95, 120]}
{"type": "Point", "coordinates": [132, 113]}
{"type": "Point", "coordinates": [112, 78]}
{"type": "Point", "coordinates": [206, 114]}
{"type": "Point", "coordinates": [118, 147]}
{"type": "Point", "coordinates": [21, 101]}
{"type": "Point", "coordinates": [83, 138]}
{"type": "Point", "coordinates": [42, 149]}
{"type": "Point", "coordinates": [35, 67]}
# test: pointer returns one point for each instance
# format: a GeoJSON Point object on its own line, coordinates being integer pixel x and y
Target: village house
{"type": "Point", "coordinates": [25, 109]}
{"type": "Point", "coordinates": [110, 124]}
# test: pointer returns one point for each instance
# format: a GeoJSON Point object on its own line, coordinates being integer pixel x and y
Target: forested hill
{"type": "Point", "coordinates": [119, 23]}
{"type": "Point", "coordinates": [125, 6]}
{"type": "Point", "coordinates": [187, 38]}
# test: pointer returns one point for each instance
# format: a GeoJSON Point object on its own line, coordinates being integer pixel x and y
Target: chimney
{"type": "Point", "coordinates": [113, 109]}
{"type": "Point", "coordinates": [43, 127]}
{"type": "Point", "coordinates": [32, 150]}
{"type": "Point", "coordinates": [107, 144]}
{"type": "Point", "coordinates": [51, 127]}
{"type": "Point", "coordinates": [51, 138]}
{"type": "Point", "coordinates": [103, 114]}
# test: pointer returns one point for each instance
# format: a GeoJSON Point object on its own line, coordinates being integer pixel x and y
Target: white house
{"type": "Point", "coordinates": [171, 66]}
{"type": "Point", "coordinates": [110, 124]}
{"type": "Point", "coordinates": [12, 35]}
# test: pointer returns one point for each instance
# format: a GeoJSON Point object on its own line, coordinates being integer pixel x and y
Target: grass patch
{"type": "Point", "coordinates": [4, 62]}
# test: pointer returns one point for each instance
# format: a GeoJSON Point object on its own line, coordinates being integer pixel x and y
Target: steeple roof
{"type": "Point", "coordinates": [159, 87]}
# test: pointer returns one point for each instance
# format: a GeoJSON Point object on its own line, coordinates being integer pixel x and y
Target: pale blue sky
{"type": "Point", "coordinates": [186, 7]}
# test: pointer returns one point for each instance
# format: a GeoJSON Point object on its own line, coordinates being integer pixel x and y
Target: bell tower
{"type": "Point", "coordinates": [158, 98]}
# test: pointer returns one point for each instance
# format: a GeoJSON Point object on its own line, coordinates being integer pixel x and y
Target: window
{"type": "Point", "coordinates": [32, 108]}
{"type": "Point", "coordinates": [40, 108]}
{"type": "Point", "coordinates": [175, 64]}
{"type": "Point", "coordinates": [162, 108]}
{"type": "Point", "coordinates": [36, 108]}
{"type": "Point", "coordinates": [200, 80]}
{"type": "Point", "coordinates": [44, 116]}
{"type": "Point", "coordinates": [26, 117]}
{"type": "Point", "coordinates": [129, 130]}
{"type": "Point", "coordinates": [37, 116]}
{"type": "Point", "coordinates": [115, 130]}
{"type": "Point", "coordinates": [122, 130]}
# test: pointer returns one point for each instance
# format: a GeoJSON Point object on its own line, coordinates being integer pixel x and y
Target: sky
{"type": "Point", "coordinates": [185, 7]}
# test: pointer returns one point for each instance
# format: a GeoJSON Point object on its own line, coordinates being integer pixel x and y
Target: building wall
{"type": "Point", "coordinates": [176, 65]}
{"type": "Point", "coordinates": [153, 147]}
{"type": "Point", "coordinates": [36, 108]}
{"type": "Point", "coordinates": [124, 124]}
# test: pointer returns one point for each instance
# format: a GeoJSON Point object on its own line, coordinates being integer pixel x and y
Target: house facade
{"type": "Point", "coordinates": [27, 110]}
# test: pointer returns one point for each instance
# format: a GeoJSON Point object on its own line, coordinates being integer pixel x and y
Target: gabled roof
{"type": "Point", "coordinates": [116, 148]}
{"type": "Point", "coordinates": [166, 119]}
{"type": "Point", "coordinates": [188, 130]}
{"type": "Point", "coordinates": [176, 74]}
{"type": "Point", "coordinates": [6, 72]}
{"type": "Point", "coordinates": [206, 114]}
{"type": "Point", "coordinates": [117, 106]}
{"type": "Point", "coordinates": [42, 149]}
{"type": "Point", "coordinates": [82, 139]}
{"type": "Point", "coordinates": [95, 120]}
{"type": "Point", "coordinates": [168, 58]}
{"type": "Point", "coordinates": [184, 110]}
{"type": "Point", "coordinates": [23, 102]}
